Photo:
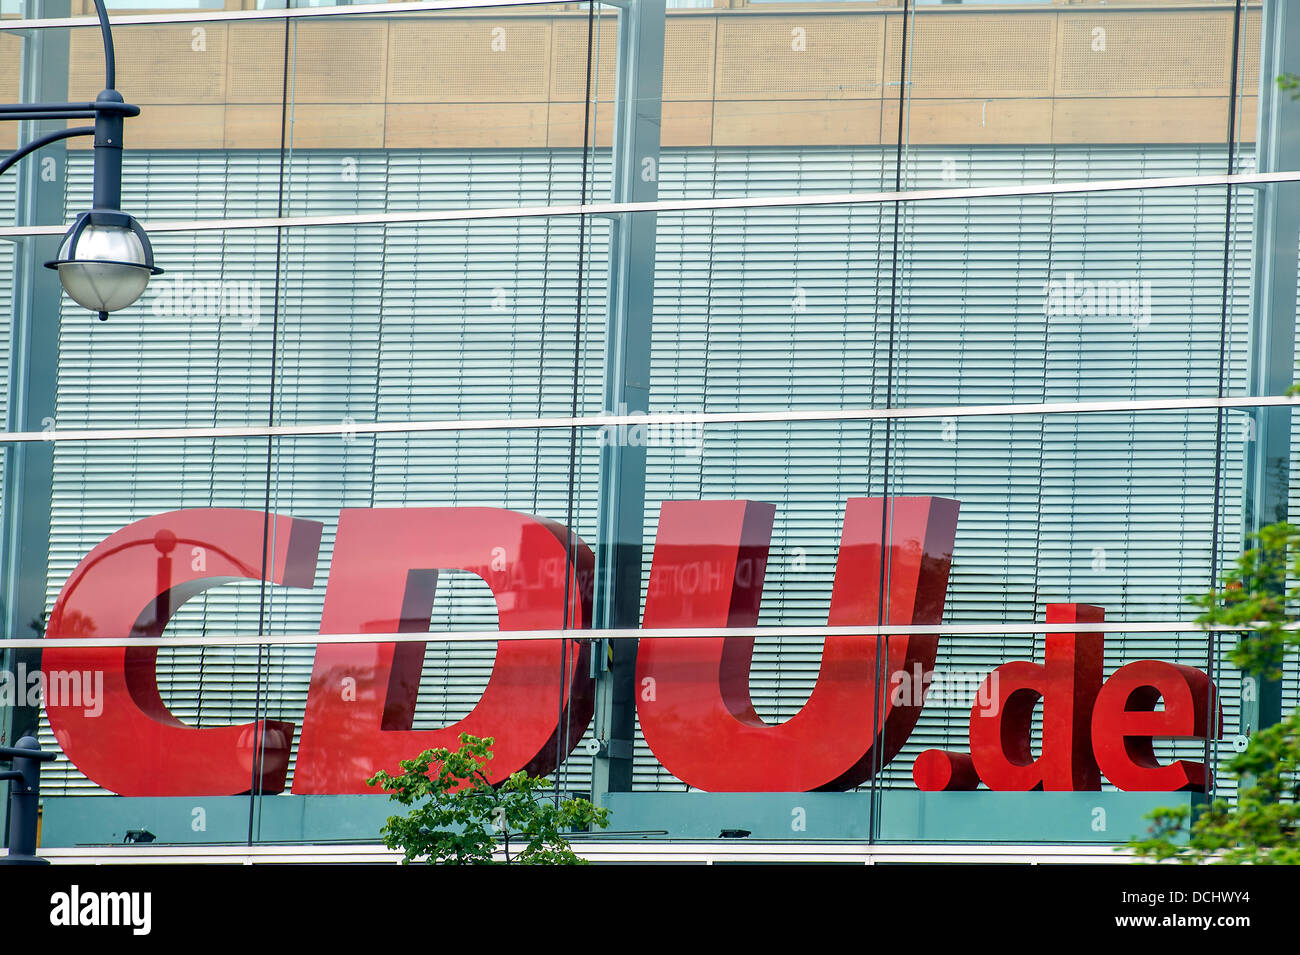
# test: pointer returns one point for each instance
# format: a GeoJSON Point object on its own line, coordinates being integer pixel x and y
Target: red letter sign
{"type": "Point", "coordinates": [362, 699]}
{"type": "Point", "coordinates": [1125, 720]}
{"type": "Point", "coordinates": [694, 703]}
{"type": "Point", "coordinates": [130, 585]}
{"type": "Point", "coordinates": [1067, 682]}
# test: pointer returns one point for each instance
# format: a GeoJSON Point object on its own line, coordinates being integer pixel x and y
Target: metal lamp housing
{"type": "Point", "coordinates": [105, 261]}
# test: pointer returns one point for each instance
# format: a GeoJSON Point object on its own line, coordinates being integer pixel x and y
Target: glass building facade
{"type": "Point", "coordinates": [814, 322]}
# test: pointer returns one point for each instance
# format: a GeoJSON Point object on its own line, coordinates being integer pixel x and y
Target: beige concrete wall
{"type": "Point", "coordinates": [763, 74]}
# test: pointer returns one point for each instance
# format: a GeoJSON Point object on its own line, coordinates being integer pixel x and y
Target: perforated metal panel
{"type": "Point", "coordinates": [478, 60]}
{"type": "Point", "coordinates": [177, 63]}
{"type": "Point", "coordinates": [688, 58]}
{"type": "Point", "coordinates": [569, 57]}
{"type": "Point", "coordinates": [974, 55]}
{"type": "Point", "coordinates": [334, 62]}
{"type": "Point", "coordinates": [1141, 53]}
{"type": "Point", "coordinates": [255, 68]}
{"type": "Point", "coordinates": [10, 64]}
{"type": "Point", "coordinates": [799, 57]}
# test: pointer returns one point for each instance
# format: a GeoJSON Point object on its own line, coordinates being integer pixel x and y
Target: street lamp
{"type": "Point", "coordinates": [105, 261]}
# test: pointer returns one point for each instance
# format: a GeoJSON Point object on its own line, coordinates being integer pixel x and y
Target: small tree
{"type": "Point", "coordinates": [459, 812]}
{"type": "Point", "coordinates": [1264, 825]}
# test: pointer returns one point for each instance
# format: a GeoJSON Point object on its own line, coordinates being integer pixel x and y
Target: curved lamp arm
{"type": "Point", "coordinates": [110, 61]}
{"type": "Point", "coordinates": [35, 144]}
{"type": "Point", "coordinates": [104, 106]}
{"type": "Point", "coordinates": [130, 268]}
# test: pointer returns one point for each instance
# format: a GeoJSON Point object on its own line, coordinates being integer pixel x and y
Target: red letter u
{"type": "Point", "coordinates": [693, 701]}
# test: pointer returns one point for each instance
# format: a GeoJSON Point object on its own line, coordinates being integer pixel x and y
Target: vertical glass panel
{"type": "Point", "coordinates": [11, 64]}
{"type": "Point", "coordinates": [1076, 297]}
{"type": "Point", "coordinates": [448, 110]}
{"type": "Point", "coordinates": [1034, 92]}
{"type": "Point", "coordinates": [797, 480]}
{"type": "Point", "coordinates": [429, 322]}
{"type": "Point", "coordinates": [1017, 527]}
{"type": "Point", "coordinates": [180, 544]}
{"type": "Point", "coordinates": [759, 309]}
{"type": "Point", "coordinates": [975, 94]}
{"type": "Point", "coordinates": [200, 85]}
{"type": "Point", "coordinates": [438, 533]}
{"type": "Point", "coordinates": [8, 261]}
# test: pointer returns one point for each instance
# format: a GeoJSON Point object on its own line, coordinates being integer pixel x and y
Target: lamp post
{"type": "Point", "coordinates": [105, 261]}
{"type": "Point", "coordinates": [24, 799]}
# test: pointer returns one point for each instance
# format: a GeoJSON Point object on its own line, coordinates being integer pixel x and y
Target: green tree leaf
{"type": "Point", "coordinates": [460, 814]}
{"type": "Point", "coordinates": [1257, 599]}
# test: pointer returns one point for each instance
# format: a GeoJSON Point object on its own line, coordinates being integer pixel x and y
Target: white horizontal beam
{"type": "Point", "coordinates": [383, 9]}
{"type": "Point", "coordinates": [807, 200]}
{"type": "Point", "coordinates": [653, 419]}
{"type": "Point", "coordinates": [992, 628]}
{"type": "Point", "coordinates": [294, 13]}
{"type": "Point", "coordinates": [641, 851]}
